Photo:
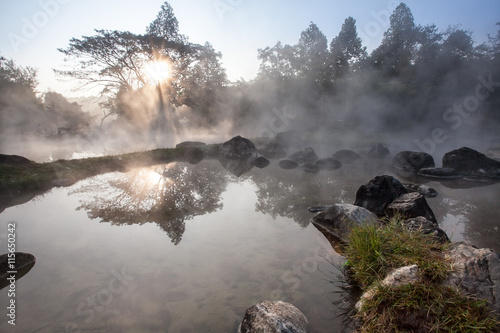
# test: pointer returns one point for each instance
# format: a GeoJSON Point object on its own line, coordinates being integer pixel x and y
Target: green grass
{"type": "Point", "coordinates": [425, 307]}
{"type": "Point", "coordinates": [373, 250]}
{"type": "Point", "coordinates": [428, 306]}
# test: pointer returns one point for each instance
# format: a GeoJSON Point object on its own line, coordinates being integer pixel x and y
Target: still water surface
{"type": "Point", "coordinates": [182, 248]}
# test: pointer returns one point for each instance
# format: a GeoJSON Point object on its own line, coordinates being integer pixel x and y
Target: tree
{"type": "Point", "coordinates": [166, 25]}
{"type": "Point", "coordinates": [396, 52]}
{"type": "Point", "coordinates": [311, 60]}
{"type": "Point", "coordinates": [346, 49]}
{"type": "Point", "coordinates": [25, 76]}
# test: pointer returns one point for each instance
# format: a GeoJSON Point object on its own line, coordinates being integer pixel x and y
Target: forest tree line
{"type": "Point", "coordinates": [414, 76]}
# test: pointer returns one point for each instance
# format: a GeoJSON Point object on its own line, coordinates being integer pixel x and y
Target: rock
{"type": "Point", "coordinates": [274, 317]}
{"type": "Point", "coordinates": [288, 164]}
{"type": "Point", "coordinates": [328, 164]}
{"type": "Point", "coordinates": [239, 155]}
{"type": "Point", "coordinates": [378, 193]}
{"type": "Point", "coordinates": [395, 278]}
{"type": "Point", "coordinates": [260, 162]}
{"type": "Point", "coordinates": [475, 272]}
{"type": "Point", "coordinates": [412, 161]}
{"type": "Point", "coordinates": [345, 156]}
{"type": "Point", "coordinates": [14, 160]}
{"type": "Point", "coordinates": [439, 173]}
{"type": "Point", "coordinates": [308, 155]}
{"type": "Point", "coordinates": [468, 161]}
{"type": "Point", "coordinates": [273, 150]}
{"type": "Point", "coordinates": [421, 224]}
{"type": "Point", "coordinates": [310, 168]}
{"type": "Point", "coordinates": [190, 144]}
{"type": "Point", "coordinates": [317, 209]}
{"type": "Point", "coordinates": [339, 219]}
{"type": "Point", "coordinates": [425, 190]}
{"type": "Point", "coordinates": [288, 139]}
{"type": "Point", "coordinates": [62, 182]}
{"type": "Point", "coordinates": [24, 262]}
{"type": "Point", "coordinates": [411, 205]}
{"type": "Point", "coordinates": [379, 151]}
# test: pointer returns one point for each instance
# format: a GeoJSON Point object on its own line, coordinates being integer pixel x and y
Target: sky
{"type": "Point", "coordinates": [31, 31]}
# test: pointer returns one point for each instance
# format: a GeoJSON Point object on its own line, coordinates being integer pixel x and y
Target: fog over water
{"type": "Point", "coordinates": [193, 245]}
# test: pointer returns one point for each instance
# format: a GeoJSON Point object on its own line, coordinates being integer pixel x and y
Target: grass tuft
{"type": "Point", "coordinates": [428, 306]}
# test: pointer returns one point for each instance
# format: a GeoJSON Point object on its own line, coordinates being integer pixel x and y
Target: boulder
{"type": "Point", "coordinates": [288, 164]}
{"type": "Point", "coordinates": [425, 190]}
{"type": "Point", "coordinates": [339, 219]}
{"type": "Point", "coordinates": [328, 164]}
{"type": "Point", "coordinates": [239, 155]}
{"type": "Point", "coordinates": [421, 224]}
{"type": "Point", "coordinates": [24, 262]}
{"type": "Point", "coordinates": [468, 161]}
{"type": "Point", "coordinates": [14, 160]}
{"type": "Point", "coordinates": [379, 151]}
{"type": "Point", "coordinates": [190, 144]}
{"type": "Point", "coordinates": [475, 272]}
{"type": "Point", "coordinates": [411, 205]}
{"type": "Point", "coordinates": [395, 278]}
{"type": "Point", "coordinates": [345, 156]}
{"type": "Point", "coordinates": [439, 173]}
{"type": "Point", "coordinates": [273, 150]}
{"type": "Point", "coordinates": [378, 193]}
{"type": "Point", "coordinates": [308, 155]}
{"type": "Point", "coordinates": [310, 168]}
{"type": "Point", "coordinates": [289, 138]}
{"type": "Point", "coordinates": [274, 317]}
{"type": "Point", "coordinates": [412, 161]}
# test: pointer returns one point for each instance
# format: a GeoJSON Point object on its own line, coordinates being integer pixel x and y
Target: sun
{"type": "Point", "coordinates": [157, 71]}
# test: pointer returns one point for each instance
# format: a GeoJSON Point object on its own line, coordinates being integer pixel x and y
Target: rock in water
{"type": "Point", "coordinates": [288, 164]}
{"type": "Point", "coordinates": [345, 156]}
{"type": "Point", "coordinates": [412, 161]}
{"type": "Point", "coordinates": [411, 205]}
{"type": "Point", "coordinates": [190, 144]}
{"type": "Point", "coordinates": [378, 193]}
{"type": "Point", "coordinates": [274, 317]}
{"type": "Point", "coordinates": [423, 225]}
{"type": "Point", "coordinates": [439, 173]}
{"type": "Point", "coordinates": [239, 155]}
{"type": "Point", "coordinates": [24, 262]}
{"type": "Point", "coordinates": [425, 190]}
{"type": "Point", "coordinates": [339, 219]}
{"type": "Point", "coordinates": [468, 161]}
{"type": "Point", "coordinates": [328, 164]}
{"type": "Point", "coordinates": [379, 151]}
{"type": "Point", "coordinates": [308, 155]}
{"type": "Point", "coordinates": [273, 150]}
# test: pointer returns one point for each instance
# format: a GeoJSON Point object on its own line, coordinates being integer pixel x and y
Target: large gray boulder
{"type": "Point", "coordinates": [475, 272]}
{"type": "Point", "coordinates": [411, 205]}
{"type": "Point", "coordinates": [239, 155]}
{"type": "Point", "coordinates": [412, 161]}
{"type": "Point", "coordinates": [468, 161]}
{"type": "Point", "coordinates": [339, 219]}
{"type": "Point", "coordinates": [378, 193]}
{"type": "Point", "coordinates": [423, 225]}
{"type": "Point", "coordinates": [274, 317]}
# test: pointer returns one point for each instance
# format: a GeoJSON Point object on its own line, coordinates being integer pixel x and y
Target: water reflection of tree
{"type": "Point", "coordinates": [290, 193]}
{"type": "Point", "coordinates": [478, 210]}
{"type": "Point", "coordinates": [166, 195]}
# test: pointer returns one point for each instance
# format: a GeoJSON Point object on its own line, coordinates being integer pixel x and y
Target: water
{"type": "Point", "coordinates": [181, 248]}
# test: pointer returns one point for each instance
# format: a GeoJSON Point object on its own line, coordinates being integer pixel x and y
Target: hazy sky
{"type": "Point", "coordinates": [32, 30]}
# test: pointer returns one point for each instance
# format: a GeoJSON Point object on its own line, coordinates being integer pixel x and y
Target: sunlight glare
{"type": "Point", "coordinates": [157, 71]}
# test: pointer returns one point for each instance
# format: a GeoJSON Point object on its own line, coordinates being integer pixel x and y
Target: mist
{"type": "Point", "coordinates": [421, 89]}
